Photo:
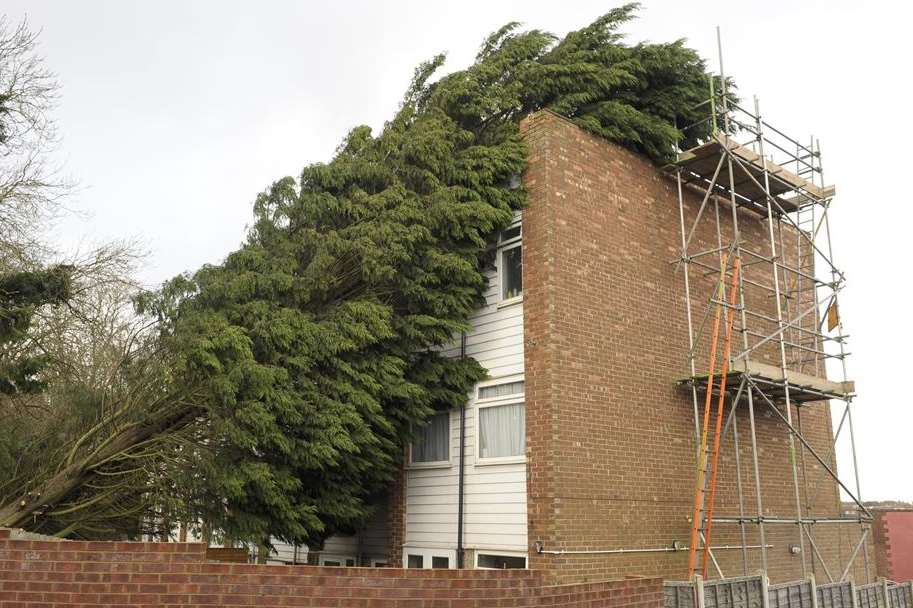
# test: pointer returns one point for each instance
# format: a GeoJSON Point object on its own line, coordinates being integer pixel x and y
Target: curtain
{"type": "Point", "coordinates": [432, 440]}
{"type": "Point", "coordinates": [502, 431]}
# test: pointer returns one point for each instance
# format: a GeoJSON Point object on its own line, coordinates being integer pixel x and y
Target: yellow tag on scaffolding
{"type": "Point", "coordinates": [833, 317]}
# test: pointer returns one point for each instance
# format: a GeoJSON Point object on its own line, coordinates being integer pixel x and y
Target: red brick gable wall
{"type": "Point", "coordinates": [610, 434]}
{"type": "Point", "coordinates": [66, 574]}
{"type": "Point", "coordinates": [893, 532]}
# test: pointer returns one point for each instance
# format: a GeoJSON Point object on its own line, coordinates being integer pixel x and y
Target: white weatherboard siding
{"type": "Point", "coordinates": [494, 518]}
{"type": "Point", "coordinates": [495, 494]}
{"type": "Point", "coordinates": [369, 545]}
{"type": "Point", "coordinates": [496, 339]}
{"type": "Point", "coordinates": [374, 535]}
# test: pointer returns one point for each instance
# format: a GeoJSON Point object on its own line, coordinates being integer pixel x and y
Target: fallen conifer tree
{"type": "Point", "coordinates": [313, 349]}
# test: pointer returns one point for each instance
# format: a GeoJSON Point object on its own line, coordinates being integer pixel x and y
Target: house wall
{"type": "Point", "coordinates": [421, 516]}
{"type": "Point", "coordinates": [893, 532]}
{"type": "Point", "coordinates": [610, 433]}
{"type": "Point", "coordinates": [366, 547]}
{"type": "Point", "coordinates": [495, 494]}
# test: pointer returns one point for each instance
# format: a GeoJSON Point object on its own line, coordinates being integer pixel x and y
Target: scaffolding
{"type": "Point", "coordinates": [783, 287]}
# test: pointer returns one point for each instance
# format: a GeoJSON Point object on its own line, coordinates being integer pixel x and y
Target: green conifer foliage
{"type": "Point", "coordinates": [21, 293]}
{"type": "Point", "coordinates": [317, 340]}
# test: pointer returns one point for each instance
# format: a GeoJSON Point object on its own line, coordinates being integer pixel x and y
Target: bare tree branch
{"type": "Point", "coordinates": [31, 190]}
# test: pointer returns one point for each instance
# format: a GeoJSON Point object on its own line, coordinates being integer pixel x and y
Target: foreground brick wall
{"type": "Point", "coordinates": [893, 532]}
{"type": "Point", "coordinates": [65, 574]}
{"type": "Point", "coordinates": [610, 435]}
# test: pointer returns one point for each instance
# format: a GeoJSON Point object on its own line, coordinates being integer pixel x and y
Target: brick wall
{"type": "Point", "coordinates": [610, 434]}
{"type": "Point", "coordinates": [396, 519]}
{"type": "Point", "coordinates": [120, 574]}
{"type": "Point", "coordinates": [893, 535]}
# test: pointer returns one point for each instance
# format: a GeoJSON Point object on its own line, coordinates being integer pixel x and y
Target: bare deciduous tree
{"type": "Point", "coordinates": [85, 455]}
{"type": "Point", "coordinates": [86, 409]}
{"type": "Point", "coordinates": [30, 188]}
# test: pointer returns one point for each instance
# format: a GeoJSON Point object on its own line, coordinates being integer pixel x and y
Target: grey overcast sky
{"type": "Point", "coordinates": [175, 114]}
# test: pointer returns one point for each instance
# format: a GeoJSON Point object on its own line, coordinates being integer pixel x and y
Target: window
{"type": "Point", "coordinates": [421, 557]}
{"type": "Point", "coordinates": [331, 560]}
{"type": "Point", "coordinates": [502, 430]}
{"type": "Point", "coordinates": [432, 441]}
{"type": "Point", "coordinates": [511, 273]}
{"type": "Point", "coordinates": [510, 262]}
{"type": "Point", "coordinates": [501, 417]}
{"type": "Point", "coordinates": [509, 235]}
{"type": "Point", "coordinates": [505, 389]}
{"type": "Point", "coordinates": [501, 562]}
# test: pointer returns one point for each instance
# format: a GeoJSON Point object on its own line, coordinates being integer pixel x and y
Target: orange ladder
{"type": "Point", "coordinates": [705, 486]}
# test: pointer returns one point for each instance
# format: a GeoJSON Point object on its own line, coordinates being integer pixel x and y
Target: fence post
{"type": "Point", "coordinates": [909, 587]}
{"type": "Point", "coordinates": [698, 591]}
{"type": "Point", "coordinates": [854, 595]}
{"type": "Point", "coordinates": [885, 594]}
{"type": "Point", "coordinates": [814, 590]}
{"type": "Point", "coordinates": [765, 589]}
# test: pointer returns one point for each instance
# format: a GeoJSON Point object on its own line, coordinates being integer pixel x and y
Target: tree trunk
{"type": "Point", "coordinates": [20, 511]}
{"type": "Point", "coordinates": [262, 553]}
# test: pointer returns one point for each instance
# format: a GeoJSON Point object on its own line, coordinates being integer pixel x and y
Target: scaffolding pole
{"type": "Point", "coordinates": [786, 312]}
{"type": "Point", "coordinates": [784, 367]}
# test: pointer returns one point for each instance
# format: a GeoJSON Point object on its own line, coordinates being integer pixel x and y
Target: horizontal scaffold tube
{"type": "Point", "coordinates": [540, 549]}
{"type": "Point", "coordinates": [791, 520]}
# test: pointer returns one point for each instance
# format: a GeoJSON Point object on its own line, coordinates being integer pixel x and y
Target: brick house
{"type": "Point", "coordinates": [578, 452]}
{"type": "Point", "coordinates": [893, 536]}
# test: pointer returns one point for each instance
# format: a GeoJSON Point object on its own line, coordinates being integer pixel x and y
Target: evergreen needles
{"type": "Point", "coordinates": [317, 341]}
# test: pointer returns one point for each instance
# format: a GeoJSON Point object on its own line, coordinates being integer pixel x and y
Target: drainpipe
{"type": "Point", "coordinates": [459, 551]}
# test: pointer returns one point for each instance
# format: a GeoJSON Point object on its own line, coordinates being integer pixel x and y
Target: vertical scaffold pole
{"type": "Point", "coordinates": [738, 486]}
{"type": "Point", "coordinates": [840, 342]}
{"type": "Point", "coordinates": [759, 503]}
{"type": "Point", "coordinates": [691, 364]}
{"type": "Point", "coordinates": [781, 337]}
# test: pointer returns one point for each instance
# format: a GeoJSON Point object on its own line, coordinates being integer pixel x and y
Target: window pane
{"type": "Point", "coordinates": [330, 562]}
{"type": "Point", "coordinates": [501, 390]}
{"type": "Point", "coordinates": [440, 562]}
{"type": "Point", "coordinates": [350, 562]}
{"type": "Point", "coordinates": [501, 561]}
{"type": "Point", "coordinates": [502, 431]}
{"type": "Point", "coordinates": [511, 272]}
{"type": "Point", "coordinates": [432, 442]}
{"type": "Point", "coordinates": [510, 233]}
{"type": "Point", "coordinates": [415, 561]}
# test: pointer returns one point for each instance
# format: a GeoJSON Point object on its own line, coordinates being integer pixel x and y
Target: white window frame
{"type": "Point", "coordinates": [427, 555]}
{"type": "Point", "coordinates": [479, 552]}
{"type": "Point", "coordinates": [336, 557]}
{"type": "Point", "coordinates": [437, 464]}
{"type": "Point", "coordinates": [481, 404]}
{"type": "Point", "coordinates": [502, 247]}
